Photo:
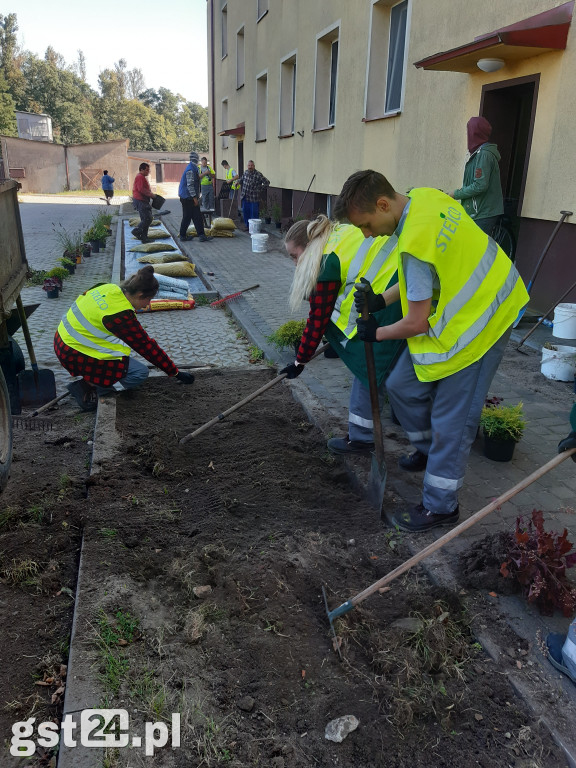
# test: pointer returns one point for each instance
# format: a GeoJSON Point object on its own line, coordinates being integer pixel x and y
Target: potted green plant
{"type": "Point", "coordinates": [265, 213]}
{"type": "Point", "coordinates": [70, 241]}
{"type": "Point", "coordinates": [53, 281]}
{"type": "Point", "coordinates": [92, 236]}
{"type": "Point", "coordinates": [288, 335]}
{"type": "Point", "coordinates": [68, 264]}
{"type": "Point", "coordinates": [502, 427]}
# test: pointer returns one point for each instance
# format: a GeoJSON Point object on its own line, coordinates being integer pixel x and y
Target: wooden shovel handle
{"type": "Point", "coordinates": [439, 543]}
{"type": "Point", "coordinates": [243, 402]}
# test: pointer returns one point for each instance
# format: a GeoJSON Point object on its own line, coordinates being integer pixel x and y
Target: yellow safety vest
{"type": "Point", "coordinates": [374, 258]}
{"type": "Point", "coordinates": [205, 180]}
{"type": "Point", "coordinates": [82, 328]}
{"type": "Point", "coordinates": [230, 173]}
{"type": "Point", "coordinates": [480, 294]}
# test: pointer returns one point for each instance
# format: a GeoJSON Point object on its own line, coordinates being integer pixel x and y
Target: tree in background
{"type": "Point", "coordinates": [124, 108]}
{"type": "Point", "coordinates": [8, 124]}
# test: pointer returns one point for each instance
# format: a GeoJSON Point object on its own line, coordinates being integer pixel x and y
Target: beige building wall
{"type": "Point", "coordinates": [425, 143]}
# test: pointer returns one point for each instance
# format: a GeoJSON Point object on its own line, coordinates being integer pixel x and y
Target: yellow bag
{"type": "Point", "coordinates": [162, 259]}
{"type": "Point", "coordinates": [177, 269]}
{"type": "Point", "coordinates": [220, 233]}
{"type": "Point", "coordinates": [191, 231]}
{"type": "Point", "coordinates": [223, 223]}
{"type": "Point", "coordinates": [157, 234]}
{"type": "Point", "coordinates": [136, 220]}
{"type": "Point", "coordinates": [152, 247]}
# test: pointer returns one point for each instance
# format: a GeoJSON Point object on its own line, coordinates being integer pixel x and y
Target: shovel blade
{"type": "Point", "coordinates": [36, 387]}
{"type": "Point", "coordinates": [377, 483]}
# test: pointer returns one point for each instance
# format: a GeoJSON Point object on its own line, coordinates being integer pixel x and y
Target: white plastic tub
{"type": "Point", "coordinates": [565, 321]}
{"type": "Point", "coordinates": [259, 243]}
{"type": "Point", "coordinates": [559, 363]}
{"type": "Point", "coordinates": [254, 226]}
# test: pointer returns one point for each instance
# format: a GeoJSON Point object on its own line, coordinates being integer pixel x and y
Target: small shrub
{"type": "Point", "coordinates": [288, 334]}
{"type": "Point", "coordinates": [60, 272]}
{"type": "Point", "coordinates": [503, 422]}
{"type": "Point", "coordinates": [538, 560]}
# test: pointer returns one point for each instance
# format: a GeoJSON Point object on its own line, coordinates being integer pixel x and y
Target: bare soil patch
{"type": "Point", "coordinates": [256, 512]}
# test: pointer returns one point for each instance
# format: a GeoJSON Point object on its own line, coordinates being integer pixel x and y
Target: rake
{"type": "Point", "coordinates": [231, 297]}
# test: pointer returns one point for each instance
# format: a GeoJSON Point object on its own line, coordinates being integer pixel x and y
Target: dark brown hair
{"type": "Point", "coordinates": [142, 282]}
{"type": "Point", "coordinates": [143, 166]}
{"type": "Point", "coordinates": [361, 191]}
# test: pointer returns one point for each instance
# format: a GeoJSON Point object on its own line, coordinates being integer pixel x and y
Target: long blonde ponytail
{"type": "Point", "coordinates": [310, 262]}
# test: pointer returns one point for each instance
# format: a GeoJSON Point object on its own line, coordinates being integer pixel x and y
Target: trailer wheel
{"type": "Point", "coordinates": [5, 433]}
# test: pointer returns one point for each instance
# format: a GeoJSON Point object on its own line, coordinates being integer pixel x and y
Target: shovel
{"type": "Point", "coordinates": [439, 543]}
{"type": "Point", "coordinates": [36, 387]}
{"type": "Point", "coordinates": [377, 479]}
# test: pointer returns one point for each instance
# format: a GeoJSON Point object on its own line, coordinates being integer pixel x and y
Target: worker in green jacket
{"type": "Point", "coordinates": [481, 191]}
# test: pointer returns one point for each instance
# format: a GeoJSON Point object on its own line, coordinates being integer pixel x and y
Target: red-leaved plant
{"type": "Point", "coordinates": [538, 560]}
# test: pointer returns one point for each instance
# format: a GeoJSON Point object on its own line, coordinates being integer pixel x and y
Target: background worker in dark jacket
{"type": "Point", "coordinates": [481, 191]}
{"type": "Point", "coordinates": [189, 194]}
{"type": "Point", "coordinates": [95, 337]}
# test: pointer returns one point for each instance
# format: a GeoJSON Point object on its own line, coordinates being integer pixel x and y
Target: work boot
{"type": "Point", "coordinates": [84, 395]}
{"type": "Point", "coordinates": [136, 233]}
{"type": "Point", "coordinates": [418, 519]}
{"type": "Point", "coordinates": [415, 462]}
{"type": "Point", "coordinates": [185, 239]}
{"type": "Point", "coordinates": [204, 238]}
{"type": "Point", "coordinates": [342, 446]}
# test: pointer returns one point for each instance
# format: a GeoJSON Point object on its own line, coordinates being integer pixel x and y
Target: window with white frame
{"type": "Point", "coordinates": [287, 95]}
{"type": "Point", "coordinates": [386, 65]}
{"type": "Point", "coordinates": [240, 58]}
{"type": "Point", "coordinates": [326, 79]}
{"type": "Point", "coordinates": [261, 106]}
{"type": "Point", "coordinates": [262, 8]}
{"type": "Point", "coordinates": [224, 122]}
{"type": "Point", "coordinates": [224, 28]}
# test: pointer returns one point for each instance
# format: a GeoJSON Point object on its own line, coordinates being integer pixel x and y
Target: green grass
{"type": "Point", "coordinates": [114, 664]}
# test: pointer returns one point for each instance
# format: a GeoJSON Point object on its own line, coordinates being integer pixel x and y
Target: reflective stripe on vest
{"type": "Point", "coordinates": [82, 328]}
{"type": "Point", "coordinates": [230, 173]}
{"type": "Point", "coordinates": [375, 259]}
{"type": "Point", "coordinates": [480, 294]}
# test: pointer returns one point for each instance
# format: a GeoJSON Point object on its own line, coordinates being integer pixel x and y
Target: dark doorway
{"type": "Point", "coordinates": [240, 157]}
{"type": "Point", "coordinates": [510, 107]}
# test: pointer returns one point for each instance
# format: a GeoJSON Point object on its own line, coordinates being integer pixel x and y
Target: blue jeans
{"type": "Point", "coordinates": [136, 374]}
{"type": "Point", "coordinates": [250, 210]}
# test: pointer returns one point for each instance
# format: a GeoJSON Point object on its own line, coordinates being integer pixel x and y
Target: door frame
{"type": "Point", "coordinates": [510, 84]}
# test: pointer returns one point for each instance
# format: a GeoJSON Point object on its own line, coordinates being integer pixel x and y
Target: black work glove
{"type": "Point", "coordinates": [567, 443]}
{"type": "Point", "coordinates": [367, 328]}
{"type": "Point", "coordinates": [293, 370]}
{"type": "Point", "coordinates": [365, 295]}
{"type": "Point", "coordinates": [185, 378]}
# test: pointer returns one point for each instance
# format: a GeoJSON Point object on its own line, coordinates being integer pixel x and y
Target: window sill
{"type": "Point", "coordinates": [286, 136]}
{"type": "Point", "coordinates": [382, 117]}
{"type": "Point", "coordinates": [238, 87]}
{"type": "Point", "coordinates": [326, 128]}
{"type": "Point", "coordinates": [259, 141]}
{"type": "Point", "coordinates": [224, 56]}
{"type": "Point", "coordinates": [261, 17]}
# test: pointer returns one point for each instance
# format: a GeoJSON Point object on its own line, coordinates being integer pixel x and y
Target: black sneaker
{"type": "Point", "coordinates": [418, 518]}
{"type": "Point", "coordinates": [415, 462]}
{"type": "Point", "coordinates": [136, 233]}
{"type": "Point", "coordinates": [205, 239]}
{"type": "Point", "coordinates": [342, 446]}
{"type": "Point", "coordinates": [185, 239]}
{"type": "Point", "coordinates": [84, 395]}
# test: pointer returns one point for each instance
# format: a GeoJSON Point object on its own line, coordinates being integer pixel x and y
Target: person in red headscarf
{"type": "Point", "coordinates": [481, 191]}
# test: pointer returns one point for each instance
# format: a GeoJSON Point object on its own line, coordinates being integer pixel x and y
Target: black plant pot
{"type": "Point", "coordinates": [86, 251]}
{"type": "Point", "coordinates": [278, 225]}
{"type": "Point", "coordinates": [71, 268]}
{"type": "Point", "coordinates": [53, 294]}
{"type": "Point", "coordinates": [498, 450]}
{"type": "Point", "coordinates": [95, 245]}
{"type": "Point", "coordinates": [103, 243]}
{"type": "Point", "coordinates": [268, 220]}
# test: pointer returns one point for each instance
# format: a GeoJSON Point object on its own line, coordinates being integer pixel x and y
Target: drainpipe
{"type": "Point", "coordinates": [67, 172]}
{"type": "Point", "coordinates": [214, 164]}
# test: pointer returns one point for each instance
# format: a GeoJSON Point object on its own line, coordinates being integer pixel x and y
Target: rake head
{"type": "Point", "coordinates": [32, 425]}
{"type": "Point", "coordinates": [225, 300]}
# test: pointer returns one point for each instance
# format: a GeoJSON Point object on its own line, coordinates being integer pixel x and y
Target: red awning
{"type": "Point", "coordinates": [240, 130]}
{"type": "Point", "coordinates": [545, 32]}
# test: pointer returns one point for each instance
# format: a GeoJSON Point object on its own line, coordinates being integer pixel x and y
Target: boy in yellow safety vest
{"type": "Point", "coordinates": [460, 294]}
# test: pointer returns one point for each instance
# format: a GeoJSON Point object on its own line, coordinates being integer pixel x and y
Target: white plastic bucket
{"type": "Point", "coordinates": [559, 363]}
{"type": "Point", "coordinates": [259, 243]}
{"type": "Point", "coordinates": [565, 321]}
{"type": "Point", "coordinates": [254, 226]}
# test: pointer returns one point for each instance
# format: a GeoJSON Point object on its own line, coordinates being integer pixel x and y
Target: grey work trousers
{"type": "Point", "coordinates": [441, 418]}
{"type": "Point", "coordinates": [360, 423]}
{"type": "Point", "coordinates": [136, 375]}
